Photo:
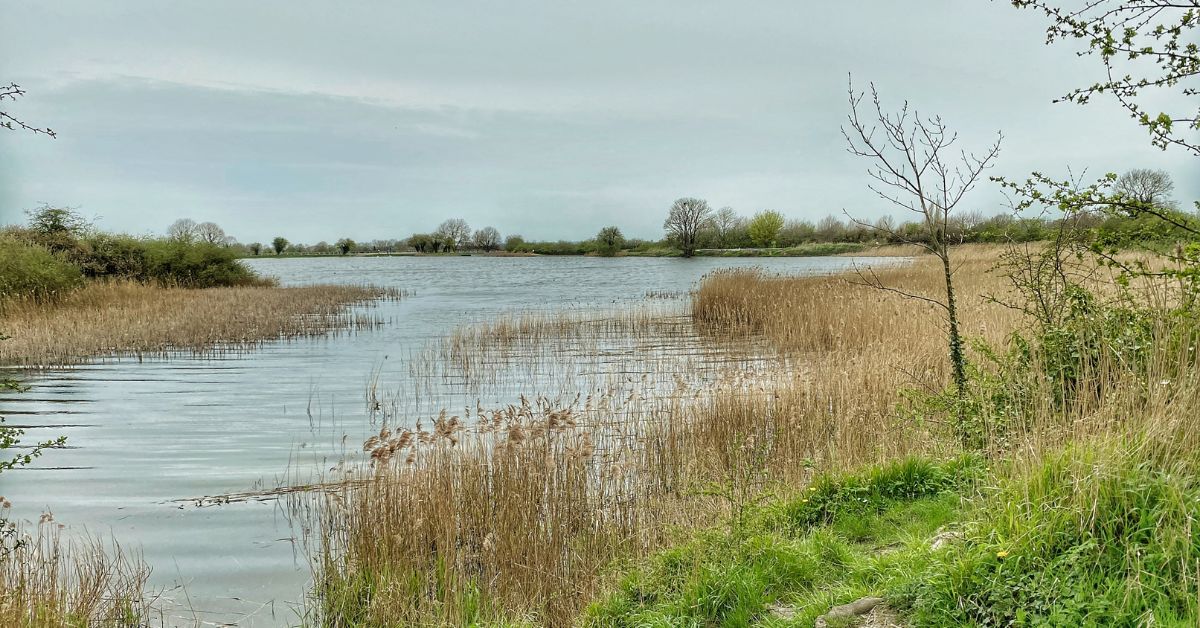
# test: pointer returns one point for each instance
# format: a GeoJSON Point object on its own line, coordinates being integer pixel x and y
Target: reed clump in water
{"type": "Point", "coordinates": [125, 318]}
{"type": "Point", "coordinates": [47, 580]}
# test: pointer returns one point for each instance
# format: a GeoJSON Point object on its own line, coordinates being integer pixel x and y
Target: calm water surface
{"type": "Point", "coordinates": [143, 434]}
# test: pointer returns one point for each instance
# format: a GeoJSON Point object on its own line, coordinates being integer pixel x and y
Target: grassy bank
{"type": "Point", "coordinates": [125, 318]}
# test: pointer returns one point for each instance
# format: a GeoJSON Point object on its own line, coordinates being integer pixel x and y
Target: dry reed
{"type": "Point", "coordinates": [518, 513]}
{"type": "Point", "coordinates": [107, 319]}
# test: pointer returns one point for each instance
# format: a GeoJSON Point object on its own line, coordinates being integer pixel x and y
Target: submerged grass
{"type": "Point", "coordinates": [125, 318]}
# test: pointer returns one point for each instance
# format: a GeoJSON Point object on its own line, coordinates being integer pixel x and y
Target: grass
{"type": "Point", "coordinates": [814, 249]}
{"type": "Point", "coordinates": [844, 537]}
{"type": "Point", "coordinates": [125, 318]}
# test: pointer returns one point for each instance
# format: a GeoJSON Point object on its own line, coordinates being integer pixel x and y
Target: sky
{"type": "Point", "coordinates": [552, 119]}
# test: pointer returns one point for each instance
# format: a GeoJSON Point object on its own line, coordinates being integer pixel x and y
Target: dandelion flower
{"type": "Point", "coordinates": [1001, 554]}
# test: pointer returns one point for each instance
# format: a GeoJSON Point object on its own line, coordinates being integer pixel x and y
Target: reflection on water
{"type": "Point", "coordinates": [144, 434]}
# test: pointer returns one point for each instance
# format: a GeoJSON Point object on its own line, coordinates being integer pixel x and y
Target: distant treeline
{"type": "Point", "coordinates": [728, 230]}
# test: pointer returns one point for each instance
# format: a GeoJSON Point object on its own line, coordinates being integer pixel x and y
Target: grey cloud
{"type": "Point", "coordinates": [318, 120]}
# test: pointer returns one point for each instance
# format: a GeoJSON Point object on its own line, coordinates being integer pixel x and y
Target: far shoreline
{"type": "Point", "coordinates": [810, 250]}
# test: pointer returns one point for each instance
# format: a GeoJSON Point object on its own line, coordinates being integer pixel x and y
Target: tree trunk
{"type": "Point", "coordinates": [958, 362]}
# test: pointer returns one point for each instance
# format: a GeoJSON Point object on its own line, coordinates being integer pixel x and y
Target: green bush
{"type": "Point", "coordinates": [112, 255]}
{"type": "Point", "coordinates": [30, 271]}
{"type": "Point", "coordinates": [195, 265]}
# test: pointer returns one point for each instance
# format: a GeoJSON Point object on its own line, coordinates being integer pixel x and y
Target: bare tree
{"type": "Point", "coordinates": [12, 92]}
{"type": "Point", "coordinates": [1149, 187]}
{"type": "Point", "coordinates": [831, 229]}
{"type": "Point", "coordinates": [687, 217]}
{"type": "Point", "coordinates": [487, 239]}
{"type": "Point", "coordinates": [211, 233]}
{"type": "Point", "coordinates": [916, 166]}
{"type": "Point", "coordinates": [183, 230]}
{"type": "Point", "coordinates": [723, 223]}
{"type": "Point", "coordinates": [454, 233]}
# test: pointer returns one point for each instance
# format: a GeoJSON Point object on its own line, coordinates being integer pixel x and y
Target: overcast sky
{"type": "Point", "coordinates": [550, 119]}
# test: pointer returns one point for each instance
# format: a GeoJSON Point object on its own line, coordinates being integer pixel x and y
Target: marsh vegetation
{"type": "Point", "coordinates": [557, 509]}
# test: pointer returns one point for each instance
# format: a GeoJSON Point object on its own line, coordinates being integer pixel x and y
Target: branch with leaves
{"type": "Point", "coordinates": [1145, 46]}
{"type": "Point", "coordinates": [1074, 198]}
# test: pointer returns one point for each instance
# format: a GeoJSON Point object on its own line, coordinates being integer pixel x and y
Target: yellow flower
{"type": "Point", "coordinates": [1001, 554]}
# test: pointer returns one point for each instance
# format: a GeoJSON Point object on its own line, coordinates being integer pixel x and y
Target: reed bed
{"type": "Point", "coordinates": [519, 513]}
{"type": "Point", "coordinates": [573, 350]}
{"type": "Point", "coordinates": [121, 318]}
{"type": "Point", "coordinates": [48, 580]}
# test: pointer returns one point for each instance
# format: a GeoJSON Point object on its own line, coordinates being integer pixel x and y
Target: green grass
{"type": "Point", "coordinates": [843, 538]}
{"type": "Point", "coordinates": [1096, 534]}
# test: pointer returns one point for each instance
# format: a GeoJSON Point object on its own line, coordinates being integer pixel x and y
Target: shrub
{"type": "Point", "coordinates": [195, 265]}
{"type": "Point", "coordinates": [29, 270]}
{"type": "Point", "coordinates": [111, 255]}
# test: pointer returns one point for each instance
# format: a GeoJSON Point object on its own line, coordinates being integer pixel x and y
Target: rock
{"type": "Point", "coordinates": [846, 611]}
{"type": "Point", "coordinates": [782, 611]}
{"type": "Point", "coordinates": [881, 617]}
{"type": "Point", "coordinates": [942, 539]}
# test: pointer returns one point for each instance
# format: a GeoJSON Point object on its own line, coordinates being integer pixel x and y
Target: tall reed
{"type": "Point", "coordinates": [519, 514]}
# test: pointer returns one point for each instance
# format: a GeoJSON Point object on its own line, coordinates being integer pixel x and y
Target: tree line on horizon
{"type": "Point", "coordinates": [692, 225]}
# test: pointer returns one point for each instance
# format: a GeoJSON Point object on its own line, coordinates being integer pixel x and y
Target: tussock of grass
{"type": "Point", "coordinates": [132, 319]}
{"type": "Point", "coordinates": [46, 580]}
{"type": "Point", "coordinates": [1094, 534]}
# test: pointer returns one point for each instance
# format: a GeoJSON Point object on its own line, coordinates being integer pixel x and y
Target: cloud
{"type": "Point", "coordinates": [552, 119]}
